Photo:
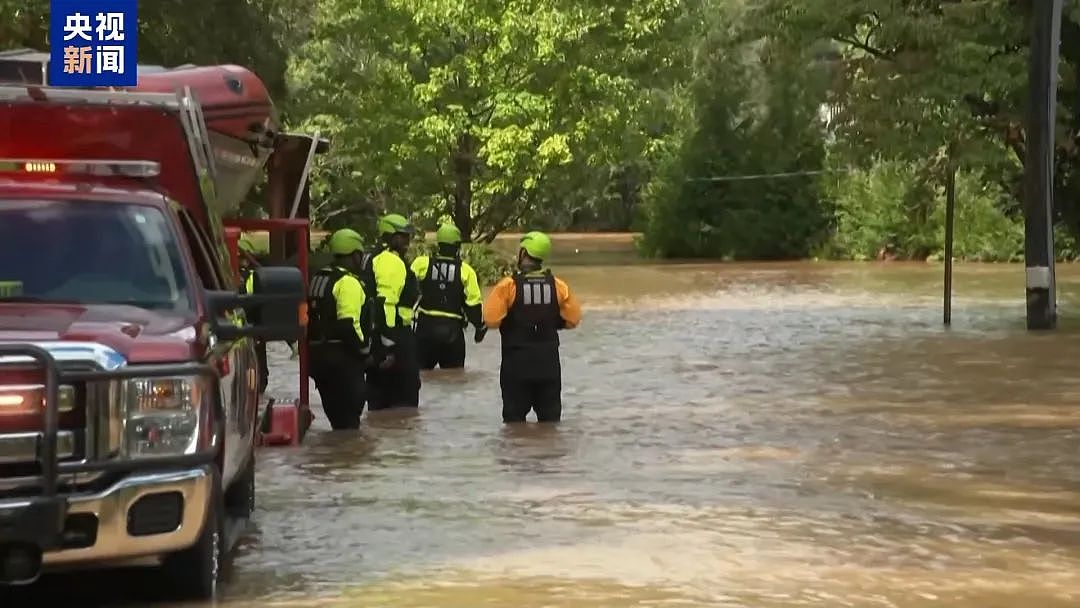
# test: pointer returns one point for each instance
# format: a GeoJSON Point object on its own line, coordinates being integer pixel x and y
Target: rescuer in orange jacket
{"type": "Point", "coordinates": [530, 308]}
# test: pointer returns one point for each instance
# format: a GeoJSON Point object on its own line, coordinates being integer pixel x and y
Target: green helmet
{"type": "Point", "coordinates": [394, 224]}
{"type": "Point", "coordinates": [345, 242]}
{"type": "Point", "coordinates": [448, 234]}
{"type": "Point", "coordinates": [537, 245]}
{"type": "Point", "coordinates": [246, 245]}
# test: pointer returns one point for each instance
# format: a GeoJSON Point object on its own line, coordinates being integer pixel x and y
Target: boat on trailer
{"type": "Point", "coordinates": [241, 140]}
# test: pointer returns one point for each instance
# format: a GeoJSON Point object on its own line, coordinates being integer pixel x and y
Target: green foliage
{"type": "Point", "coordinates": [903, 69]}
{"type": "Point", "coordinates": [489, 263]}
{"type": "Point", "coordinates": [891, 207]}
{"type": "Point", "coordinates": [756, 113]}
{"type": "Point", "coordinates": [910, 82]}
{"type": "Point", "coordinates": [559, 114]}
{"type": "Point", "coordinates": [912, 79]}
{"type": "Point", "coordinates": [469, 109]}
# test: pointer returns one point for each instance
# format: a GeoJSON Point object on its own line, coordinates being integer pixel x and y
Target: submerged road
{"type": "Point", "coordinates": [737, 435]}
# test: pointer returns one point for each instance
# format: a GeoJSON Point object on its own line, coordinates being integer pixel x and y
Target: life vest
{"type": "Point", "coordinates": [534, 319]}
{"type": "Point", "coordinates": [367, 274]}
{"type": "Point", "coordinates": [323, 324]}
{"type": "Point", "coordinates": [441, 289]}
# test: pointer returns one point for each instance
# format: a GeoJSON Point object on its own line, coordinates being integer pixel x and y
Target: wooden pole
{"type": "Point", "coordinates": [950, 215]}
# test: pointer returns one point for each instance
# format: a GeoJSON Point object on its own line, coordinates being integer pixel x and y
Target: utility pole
{"type": "Point", "coordinates": [1039, 165]}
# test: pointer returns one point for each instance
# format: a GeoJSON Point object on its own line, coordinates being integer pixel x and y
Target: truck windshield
{"type": "Point", "coordinates": [89, 252]}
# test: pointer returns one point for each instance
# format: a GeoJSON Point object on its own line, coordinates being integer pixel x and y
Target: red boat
{"type": "Point", "coordinates": [242, 124]}
{"type": "Point", "coordinates": [239, 116]}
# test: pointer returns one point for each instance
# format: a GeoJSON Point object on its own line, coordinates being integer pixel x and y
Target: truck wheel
{"type": "Point", "coordinates": [196, 571]}
{"type": "Point", "coordinates": [240, 498]}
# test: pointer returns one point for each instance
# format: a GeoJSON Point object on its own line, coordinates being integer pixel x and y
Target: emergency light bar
{"type": "Point", "coordinates": [103, 168]}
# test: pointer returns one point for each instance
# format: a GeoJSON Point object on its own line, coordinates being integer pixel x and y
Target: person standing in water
{"type": "Point", "coordinates": [530, 308]}
{"type": "Point", "coordinates": [450, 298]}
{"type": "Point", "coordinates": [394, 380]}
{"type": "Point", "coordinates": [340, 332]}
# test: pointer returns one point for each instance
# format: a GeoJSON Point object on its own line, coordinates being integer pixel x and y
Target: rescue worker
{"type": "Point", "coordinates": [395, 379]}
{"type": "Point", "coordinates": [248, 264]}
{"type": "Point", "coordinates": [450, 299]}
{"type": "Point", "coordinates": [530, 308]}
{"type": "Point", "coordinates": [340, 332]}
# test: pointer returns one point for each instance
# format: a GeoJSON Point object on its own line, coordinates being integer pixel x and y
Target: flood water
{"type": "Point", "coordinates": [760, 435]}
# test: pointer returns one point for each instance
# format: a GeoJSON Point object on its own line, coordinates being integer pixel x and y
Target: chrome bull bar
{"type": "Point", "coordinates": [31, 526]}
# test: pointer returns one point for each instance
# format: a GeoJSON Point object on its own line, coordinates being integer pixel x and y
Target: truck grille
{"type": "Point", "coordinates": [22, 391]}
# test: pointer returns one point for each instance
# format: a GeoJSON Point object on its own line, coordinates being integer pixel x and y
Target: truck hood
{"type": "Point", "coordinates": [140, 335]}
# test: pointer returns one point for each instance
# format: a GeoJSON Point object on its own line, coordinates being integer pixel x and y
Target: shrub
{"type": "Point", "coordinates": [892, 205]}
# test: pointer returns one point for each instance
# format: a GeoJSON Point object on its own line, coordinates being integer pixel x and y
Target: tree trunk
{"type": "Point", "coordinates": [464, 161]}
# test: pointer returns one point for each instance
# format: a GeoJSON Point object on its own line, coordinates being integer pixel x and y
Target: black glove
{"type": "Point", "coordinates": [481, 331]}
{"type": "Point", "coordinates": [388, 361]}
{"type": "Point", "coordinates": [383, 356]}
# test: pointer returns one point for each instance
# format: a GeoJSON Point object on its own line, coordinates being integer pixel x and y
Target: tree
{"type": "Point", "coordinates": [756, 111]}
{"type": "Point", "coordinates": [467, 110]}
{"type": "Point", "coordinates": [914, 77]}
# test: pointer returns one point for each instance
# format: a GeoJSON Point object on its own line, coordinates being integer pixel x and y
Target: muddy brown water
{"type": "Point", "coordinates": [760, 435]}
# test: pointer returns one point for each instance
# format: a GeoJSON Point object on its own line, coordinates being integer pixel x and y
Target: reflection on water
{"type": "Point", "coordinates": [744, 435]}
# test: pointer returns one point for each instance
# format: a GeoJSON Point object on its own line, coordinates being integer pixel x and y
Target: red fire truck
{"type": "Point", "coordinates": [129, 402]}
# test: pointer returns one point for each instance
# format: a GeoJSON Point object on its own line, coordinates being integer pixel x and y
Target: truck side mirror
{"type": "Point", "coordinates": [274, 309]}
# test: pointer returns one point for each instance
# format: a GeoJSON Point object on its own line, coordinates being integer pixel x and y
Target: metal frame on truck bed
{"type": "Point", "coordinates": [283, 423]}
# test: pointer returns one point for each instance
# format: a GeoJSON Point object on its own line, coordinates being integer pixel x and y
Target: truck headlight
{"type": "Point", "coordinates": [163, 416]}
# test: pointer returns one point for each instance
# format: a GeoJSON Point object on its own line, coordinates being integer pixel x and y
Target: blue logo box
{"type": "Point", "coordinates": [92, 43]}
